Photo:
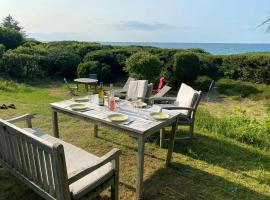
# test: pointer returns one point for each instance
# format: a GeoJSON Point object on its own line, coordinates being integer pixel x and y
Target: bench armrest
{"type": "Point", "coordinates": [27, 117]}
{"type": "Point", "coordinates": [114, 154]}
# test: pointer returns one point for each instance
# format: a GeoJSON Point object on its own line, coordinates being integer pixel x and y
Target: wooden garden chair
{"type": "Point", "coordinates": [186, 102]}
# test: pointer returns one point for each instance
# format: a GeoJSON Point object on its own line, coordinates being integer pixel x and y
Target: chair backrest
{"type": "Point", "coordinates": [161, 81]}
{"type": "Point", "coordinates": [163, 91]}
{"type": "Point", "coordinates": [127, 83]}
{"type": "Point", "coordinates": [149, 90]}
{"type": "Point", "coordinates": [38, 163]}
{"type": "Point", "coordinates": [71, 90]}
{"type": "Point", "coordinates": [195, 104]}
{"type": "Point", "coordinates": [187, 97]}
{"type": "Point", "coordinates": [93, 76]}
{"type": "Point", "coordinates": [137, 89]}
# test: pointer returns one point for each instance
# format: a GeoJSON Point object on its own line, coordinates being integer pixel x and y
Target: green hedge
{"type": "Point", "coordinates": [63, 58]}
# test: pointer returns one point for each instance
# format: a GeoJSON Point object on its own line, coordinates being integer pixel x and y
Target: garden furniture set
{"type": "Point", "coordinates": [58, 170]}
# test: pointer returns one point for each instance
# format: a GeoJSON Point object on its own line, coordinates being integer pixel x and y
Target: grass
{"type": "Point", "coordinates": [211, 166]}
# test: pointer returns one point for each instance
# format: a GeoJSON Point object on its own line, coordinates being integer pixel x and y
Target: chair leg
{"type": "Point", "coordinates": [113, 192]}
{"type": "Point", "coordinates": [162, 134]}
{"type": "Point", "coordinates": [95, 130]}
{"type": "Point", "coordinates": [191, 130]}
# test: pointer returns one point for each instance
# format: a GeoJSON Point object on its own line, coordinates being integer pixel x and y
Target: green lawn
{"type": "Point", "coordinates": [211, 166]}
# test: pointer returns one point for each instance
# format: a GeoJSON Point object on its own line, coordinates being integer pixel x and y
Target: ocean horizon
{"type": "Point", "coordinates": [213, 48]}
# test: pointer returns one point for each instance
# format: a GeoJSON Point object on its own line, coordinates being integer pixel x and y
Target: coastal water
{"type": "Point", "coordinates": [214, 48]}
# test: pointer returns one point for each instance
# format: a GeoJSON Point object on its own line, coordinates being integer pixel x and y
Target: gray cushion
{"type": "Point", "coordinates": [76, 160]}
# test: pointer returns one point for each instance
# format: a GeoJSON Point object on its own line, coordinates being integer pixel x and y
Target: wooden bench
{"type": "Point", "coordinates": [54, 169]}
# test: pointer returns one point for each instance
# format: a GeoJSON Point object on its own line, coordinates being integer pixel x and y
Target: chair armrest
{"type": "Point", "coordinates": [179, 108]}
{"type": "Point", "coordinates": [153, 99]}
{"type": "Point", "coordinates": [114, 154]}
{"type": "Point", "coordinates": [27, 117]}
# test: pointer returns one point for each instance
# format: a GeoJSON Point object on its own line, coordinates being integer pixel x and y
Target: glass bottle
{"type": "Point", "coordinates": [112, 104]}
{"type": "Point", "coordinates": [101, 95]}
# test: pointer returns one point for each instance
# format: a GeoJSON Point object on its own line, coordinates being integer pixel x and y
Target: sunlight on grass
{"type": "Point", "coordinates": [211, 166]}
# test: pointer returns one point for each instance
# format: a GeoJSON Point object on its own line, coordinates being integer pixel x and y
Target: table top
{"type": "Point", "coordinates": [85, 80]}
{"type": "Point", "coordinates": [143, 122]}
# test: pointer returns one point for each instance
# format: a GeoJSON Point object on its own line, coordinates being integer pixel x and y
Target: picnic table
{"type": "Point", "coordinates": [141, 128]}
{"type": "Point", "coordinates": [86, 82]}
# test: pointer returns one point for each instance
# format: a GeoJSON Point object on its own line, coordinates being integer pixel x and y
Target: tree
{"type": "Point", "coordinates": [9, 22]}
{"type": "Point", "coordinates": [10, 38]}
{"type": "Point", "coordinates": [267, 21]}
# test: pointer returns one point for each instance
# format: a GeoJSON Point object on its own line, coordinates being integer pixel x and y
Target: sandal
{"type": "Point", "coordinates": [12, 106]}
{"type": "Point", "coordinates": [4, 107]}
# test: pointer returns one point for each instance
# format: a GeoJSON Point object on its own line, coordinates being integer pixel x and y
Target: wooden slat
{"type": "Point", "coordinates": [60, 173]}
{"type": "Point", "coordinates": [31, 162]}
{"type": "Point", "coordinates": [12, 150]}
{"type": "Point", "coordinates": [37, 165]}
{"type": "Point", "coordinates": [45, 185]}
{"type": "Point", "coordinates": [18, 153]}
{"type": "Point", "coordinates": [24, 170]}
{"type": "Point", "coordinates": [49, 173]}
{"type": "Point", "coordinates": [26, 159]}
{"type": "Point", "coordinates": [6, 149]}
{"type": "Point", "coordinates": [2, 145]}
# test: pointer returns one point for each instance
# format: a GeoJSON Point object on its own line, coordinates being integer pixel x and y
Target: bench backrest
{"type": "Point", "coordinates": [38, 163]}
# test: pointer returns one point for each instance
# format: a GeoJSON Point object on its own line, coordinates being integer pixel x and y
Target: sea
{"type": "Point", "coordinates": [213, 48]}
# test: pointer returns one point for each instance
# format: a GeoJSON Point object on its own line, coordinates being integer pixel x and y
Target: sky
{"type": "Point", "coordinates": [203, 21]}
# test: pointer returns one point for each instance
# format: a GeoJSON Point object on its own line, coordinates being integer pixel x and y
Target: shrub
{"type": "Point", "coordinates": [102, 70]}
{"type": "Point", "coordinates": [60, 61]}
{"type": "Point", "coordinates": [21, 65]}
{"type": "Point", "coordinates": [115, 58]}
{"type": "Point", "coordinates": [10, 38]}
{"type": "Point", "coordinates": [2, 50]}
{"type": "Point", "coordinates": [250, 67]}
{"type": "Point", "coordinates": [143, 65]}
{"type": "Point", "coordinates": [186, 67]}
{"type": "Point", "coordinates": [12, 86]}
{"type": "Point", "coordinates": [202, 83]}
{"type": "Point", "coordinates": [86, 68]}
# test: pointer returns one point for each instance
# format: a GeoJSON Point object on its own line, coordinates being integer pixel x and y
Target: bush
{"type": "Point", "coordinates": [143, 65]}
{"type": "Point", "coordinates": [249, 67]}
{"type": "Point", "coordinates": [2, 50]}
{"type": "Point", "coordinates": [186, 67]}
{"type": "Point", "coordinates": [12, 86]}
{"type": "Point", "coordinates": [10, 38]}
{"type": "Point", "coordinates": [86, 68]}
{"type": "Point", "coordinates": [21, 65]}
{"type": "Point", "coordinates": [102, 70]}
{"type": "Point", "coordinates": [60, 61]}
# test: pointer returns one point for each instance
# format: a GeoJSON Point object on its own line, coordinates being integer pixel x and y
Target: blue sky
{"type": "Point", "coordinates": [227, 21]}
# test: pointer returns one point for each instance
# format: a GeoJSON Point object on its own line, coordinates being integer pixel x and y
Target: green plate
{"type": "Point", "coordinates": [159, 115]}
{"type": "Point", "coordinates": [78, 107]}
{"type": "Point", "coordinates": [138, 104]}
{"type": "Point", "coordinates": [118, 117]}
{"type": "Point", "coordinates": [81, 99]}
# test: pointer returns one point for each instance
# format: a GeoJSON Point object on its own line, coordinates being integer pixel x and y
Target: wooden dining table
{"type": "Point", "coordinates": [141, 127]}
{"type": "Point", "coordinates": [87, 82]}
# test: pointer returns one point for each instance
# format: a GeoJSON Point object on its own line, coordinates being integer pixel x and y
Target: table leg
{"type": "Point", "coordinates": [86, 87]}
{"type": "Point", "coordinates": [171, 143]}
{"type": "Point", "coordinates": [55, 124]}
{"type": "Point", "coordinates": [95, 130]}
{"type": "Point", "coordinates": [77, 86]}
{"type": "Point", "coordinates": [161, 139]}
{"type": "Point", "coordinates": [140, 164]}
